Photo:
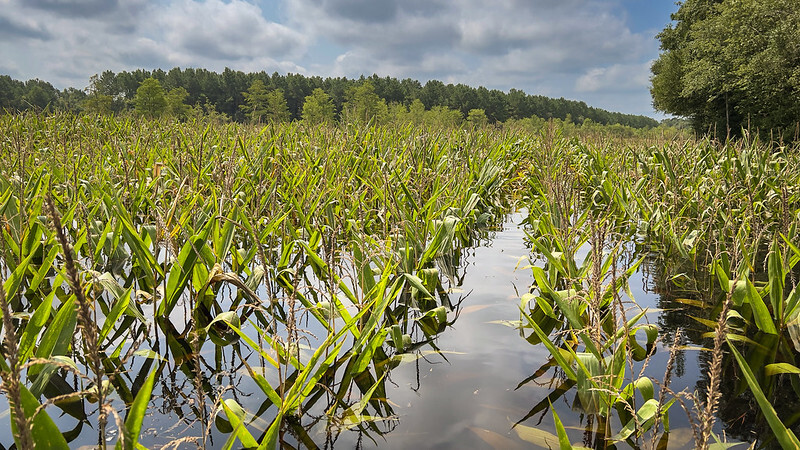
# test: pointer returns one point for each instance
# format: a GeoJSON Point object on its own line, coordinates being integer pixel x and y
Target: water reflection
{"type": "Point", "coordinates": [468, 382]}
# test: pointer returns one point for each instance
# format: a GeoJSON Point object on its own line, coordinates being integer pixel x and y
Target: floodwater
{"type": "Point", "coordinates": [471, 387]}
{"type": "Point", "coordinates": [474, 398]}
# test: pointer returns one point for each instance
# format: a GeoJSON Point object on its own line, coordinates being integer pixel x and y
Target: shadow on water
{"type": "Point", "coordinates": [461, 377]}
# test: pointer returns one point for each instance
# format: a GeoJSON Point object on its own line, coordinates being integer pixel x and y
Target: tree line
{"type": "Point", "coordinates": [241, 96]}
{"type": "Point", "coordinates": [732, 65]}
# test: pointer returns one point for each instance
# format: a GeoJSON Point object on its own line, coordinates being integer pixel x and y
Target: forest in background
{"type": "Point", "coordinates": [226, 94]}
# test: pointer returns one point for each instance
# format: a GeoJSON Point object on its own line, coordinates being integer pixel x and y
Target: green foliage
{"type": "Point", "coordinates": [98, 104]}
{"type": "Point", "coordinates": [363, 105]}
{"type": "Point", "coordinates": [207, 112]}
{"type": "Point", "coordinates": [277, 109]}
{"type": "Point", "coordinates": [477, 118]}
{"type": "Point", "coordinates": [784, 436]}
{"type": "Point", "coordinates": [43, 430]}
{"type": "Point", "coordinates": [150, 100]}
{"type": "Point", "coordinates": [225, 92]}
{"type": "Point", "coordinates": [133, 424]}
{"type": "Point", "coordinates": [416, 112]}
{"type": "Point", "coordinates": [318, 108]}
{"type": "Point", "coordinates": [11, 92]}
{"type": "Point", "coordinates": [176, 106]}
{"type": "Point", "coordinates": [256, 101]}
{"type": "Point", "coordinates": [443, 116]}
{"type": "Point", "coordinates": [352, 232]}
{"type": "Point", "coordinates": [731, 64]}
{"type": "Point", "coordinates": [39, 95]}
{"type": "Point", "coordinates": [263, 105]}
{"type": "Point", "coordinates": [252, 215]}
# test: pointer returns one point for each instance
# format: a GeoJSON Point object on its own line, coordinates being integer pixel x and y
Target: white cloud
{"type": "Point", "coordinates": [223, 31]}
{"type": "Point", "coordinates": [508, 43]}
{"type": "Point", "coordinates": [617, 77]}
{"type": "Point", "coordinates": [134, 34]}
{"type": "Point", "coordinates": [569, 48]}
{"type": "Point", "coordinates": [357, 62]}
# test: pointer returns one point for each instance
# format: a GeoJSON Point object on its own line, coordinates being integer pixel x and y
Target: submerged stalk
{"type": "Point", "coordinates": [11, 377]}
{"type": "Point", "coordinates": [86, 321]}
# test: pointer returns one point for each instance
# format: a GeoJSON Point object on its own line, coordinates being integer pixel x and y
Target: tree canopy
{"type": "Point", "coordinates": [228, 95]}
{"type": "Point", "coordinates": [150, 99]}
{"type": "Point", "coordinates": [255, 101]}
{"type": "Point", "coordinates": [364, 105]}
{"type": "Point", "coordinates": [318, 107]}
{"type": "Point", "coordinates": [730, 65]}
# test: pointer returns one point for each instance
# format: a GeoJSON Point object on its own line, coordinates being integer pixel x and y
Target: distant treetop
{"type": "Point", "coordinates": [257, 97]}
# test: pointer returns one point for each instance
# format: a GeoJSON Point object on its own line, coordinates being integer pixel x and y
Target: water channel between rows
{"type": "Point", "coordinates": [468, 395]}
{"type": "Point", "coordinates": [474, 398]}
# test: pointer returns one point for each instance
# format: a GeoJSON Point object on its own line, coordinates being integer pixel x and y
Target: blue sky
{"type": "Point", "coordinates": [598, 51]}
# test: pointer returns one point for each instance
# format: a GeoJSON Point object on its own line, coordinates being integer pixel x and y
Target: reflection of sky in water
{"type": "Point", "coordinates": [476, 390]}
{"type": "Point", "coordinates": [442, 403]}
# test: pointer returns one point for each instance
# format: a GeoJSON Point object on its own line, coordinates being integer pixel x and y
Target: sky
{"type": "Point", "coordinates": [597, 51]}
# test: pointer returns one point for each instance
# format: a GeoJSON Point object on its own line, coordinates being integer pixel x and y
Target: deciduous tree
{"type": "Point", "coordinates": [150, 100]}
{"type": "Point", "coordinates": [731, 64]}
{"type": "Point", "coordinates": [318, 108]}
{"type": "Point", "coordinates": [176, 102]}
{"type": "Point", "coordinates": [477, 117]}
{"type": "Point", "coordinates": [364, 105]}
{"type": "Point", "coordinates": [277, 109]}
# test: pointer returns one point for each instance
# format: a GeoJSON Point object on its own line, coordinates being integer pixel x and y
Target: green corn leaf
{"type": "Point", "coordinates": [553, 260]}
{"type": "Point", "coordinates": [442, 241]}
{"type": "Point", "coordinates": [365, 356]}
{"type": "Point", "coordinates": [262, 382]}
{"type": "Point", "coordinates": [777, 279]}
{"type": "Point", "coordinates": [133, 422]}
{"type": "Point", "coordinates": [621, 330]}
{"type": "Point", "coordinates": [381, 296]}
{"type": "Point", "coordinates": [118, 292]}
{"type": "Point", "coordinates": [249, 341]}
{"type": "Point", "coordinates": [416, 283]}
{"type": "Point", "coordinates": [352, 416]}
{"type": "Point", "coordinates": [778, 368]}
{"type": "Point", "coordinates": [738, 338]}
{"type": "Point", "coordinates": [791, 304]}
{"type": "Point", "coordinates": [761, 313]}
{"type": "Point", "coordinates": [116, 312]}
{"type": "Point", "coordinates": [44, 269]}
{"type": "Point", "coordinates": [309, 376]}
{"type": "Point", "coordinates": [181, 273]}
{"type": "Point", "coordinates": [223, 243]}
{"type": "Point", "coordinates": [565, 365]}
{"type": "Point", "coordinates": [44, 431]}
{"type": "Point", "coordinates": [645, 386]}
{"type": "Point", "coordinates": [144, 257]}
{"type": "Point", "coordinates": [591, 399]}
{"type": "Point", "coordinates": [33, 237]}
{"type": "Point", "coordinates": [270, 441]}
{"type": "Point", "coordinates": [538, 437]}
{"type": "Point", "coordinates": [236, 415]}
{"type": "Point", "coordinates": [785, 436]}
{"type": "Point", "coordinates": [101, 242]}
{"type": "Point", "coordinates": [46, 372]}
{"type": "Point", "coordinates": [563, 438]}
{"type": "Point", "coordinates": [644, 417]}
{"type": "Point", "coordinates": [34, 326]}
{"type": "Point", "coordinates": [58, 335]}
{"type": "Point", "coordinates": [13, 282]}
